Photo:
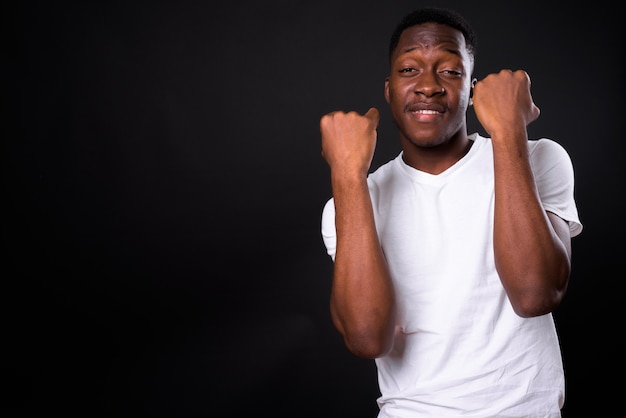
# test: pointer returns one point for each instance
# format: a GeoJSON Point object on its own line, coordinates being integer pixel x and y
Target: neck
{"type": "Point", "coordinates": [436, 159]}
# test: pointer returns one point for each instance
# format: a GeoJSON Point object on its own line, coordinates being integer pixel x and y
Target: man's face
{"type": "Point", "coordinates": [428, 88]}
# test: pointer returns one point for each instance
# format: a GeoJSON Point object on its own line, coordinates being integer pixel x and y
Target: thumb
{"type": "Point", "coordinates": [373, 114]}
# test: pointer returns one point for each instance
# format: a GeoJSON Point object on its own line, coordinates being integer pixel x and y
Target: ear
{"type": "Point", "coordinates": [387, 89]}
{"type": "Point", "coordinates": [474, 81]}
{"type": "Point", "coordinates": [471, 94]}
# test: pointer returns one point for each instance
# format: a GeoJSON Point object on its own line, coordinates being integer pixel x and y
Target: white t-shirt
{"type": "Point", "coordinates": [459, 348]}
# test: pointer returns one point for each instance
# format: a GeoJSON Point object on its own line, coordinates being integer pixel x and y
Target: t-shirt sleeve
{"type": "Point", "coordinates": [329, 235]}
{"type": "Point", "coordinates": [554, 177]}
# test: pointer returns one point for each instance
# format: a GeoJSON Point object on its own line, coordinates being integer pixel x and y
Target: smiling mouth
{"type": "Point", "coordinates": [426, 115]}
{"type": "Point", "coordinates": [422, 108]}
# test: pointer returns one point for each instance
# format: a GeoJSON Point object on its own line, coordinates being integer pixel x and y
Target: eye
{"type": "Point", "coordinates": [407, 70]}
{"type": "Point", "coordinates": [452, 73]}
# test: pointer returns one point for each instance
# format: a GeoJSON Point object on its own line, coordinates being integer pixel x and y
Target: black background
{"type": "Point", "coordinates": [163, 185]}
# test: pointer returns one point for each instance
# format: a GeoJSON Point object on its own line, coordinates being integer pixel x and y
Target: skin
{"type": "Point", "coordinates": [428, 91]}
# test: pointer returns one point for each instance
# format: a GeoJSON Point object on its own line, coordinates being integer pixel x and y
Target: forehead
{"type": "Point", "coordinates": [431, 36]}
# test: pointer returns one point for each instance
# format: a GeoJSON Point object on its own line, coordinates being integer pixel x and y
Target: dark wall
{"type": "Point", "coordinates": [163, 184]}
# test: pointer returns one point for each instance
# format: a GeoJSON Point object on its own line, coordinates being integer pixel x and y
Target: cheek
{"type": "Point", "coordinates": [396, 96]}
{"type": "Point", "coordinates": [464, 101]}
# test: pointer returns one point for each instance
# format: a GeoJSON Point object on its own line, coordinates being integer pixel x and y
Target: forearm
{"type": "Point", "coordinates": [533, 263]}
{"type": "Point", "coordinates": [362, 302]}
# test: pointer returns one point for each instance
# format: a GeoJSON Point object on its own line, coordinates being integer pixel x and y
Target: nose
{"type": "Point", "coordinates": [428, 85]}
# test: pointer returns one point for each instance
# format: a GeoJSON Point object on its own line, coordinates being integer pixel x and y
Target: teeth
{"type": "Point", "coordinates": [427, 112]}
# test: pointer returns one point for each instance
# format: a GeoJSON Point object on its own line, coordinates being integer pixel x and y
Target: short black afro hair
{"type": "Point", "coordinates": [435, 15]}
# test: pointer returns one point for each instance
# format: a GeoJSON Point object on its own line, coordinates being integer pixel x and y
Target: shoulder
{"type": "Point", "coordinates": [544, 146]}
{"type": "Point", "coordinates": [546, 153]}
{"type": "Point", "coordinates": [385, 173]}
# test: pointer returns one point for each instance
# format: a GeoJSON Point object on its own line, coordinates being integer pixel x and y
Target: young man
{"type": "Point", "coordinates": [449, 259]}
